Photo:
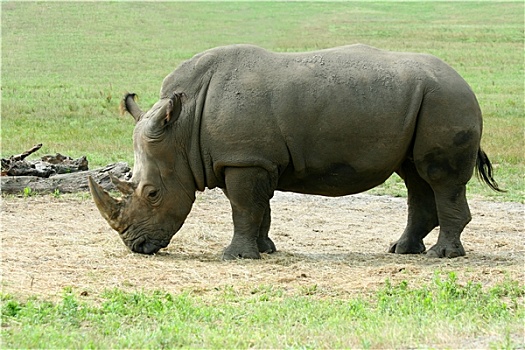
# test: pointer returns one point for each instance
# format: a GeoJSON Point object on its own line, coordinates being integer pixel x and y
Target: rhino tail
{"type": "Point", "coordinates": [484, 171]}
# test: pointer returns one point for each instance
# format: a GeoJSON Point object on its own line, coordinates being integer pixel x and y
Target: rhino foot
{"type": "Point", "coordinates": [451, 250]}
{"type": "Point", "coordinates": [234, 252]}
{"type": "Point", "coordinates": [407, 247]}
{"type": "Point", "coordinates": [266, 245]}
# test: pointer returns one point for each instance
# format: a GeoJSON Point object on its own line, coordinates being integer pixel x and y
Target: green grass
{"type": "Point", "coordinates": [65, 65]}
{"type": "Point", "coordinates": [440, 313]}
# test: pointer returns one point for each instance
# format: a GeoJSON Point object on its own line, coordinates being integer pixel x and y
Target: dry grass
{"type": "Point", "coordinates": [335, 247]}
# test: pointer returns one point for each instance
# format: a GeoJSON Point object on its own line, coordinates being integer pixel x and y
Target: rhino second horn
{"type": "Point", "coordinates": [107, 205]}
{"type": "Point", "coordinates": [125, 187]}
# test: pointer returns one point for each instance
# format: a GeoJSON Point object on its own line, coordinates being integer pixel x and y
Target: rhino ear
{"type": "Point", "coordinates": [171, 111]}
{"type": "Point", "coordinates": [129, 105]}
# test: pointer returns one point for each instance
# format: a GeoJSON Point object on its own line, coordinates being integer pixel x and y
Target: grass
{"type": "Point", "coordinates": [64, 74]}
{"type": "Point", "coordinates": [442, 313]}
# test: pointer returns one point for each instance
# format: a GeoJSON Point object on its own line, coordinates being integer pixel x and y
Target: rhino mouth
{"type": "Point", "coordinates": [143, 246]}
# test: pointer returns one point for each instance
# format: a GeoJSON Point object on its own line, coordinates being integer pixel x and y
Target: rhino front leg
{"type": "Point", "coordinates": [249, 191]}
{"type": "Point", "coordinates": [264, 243]}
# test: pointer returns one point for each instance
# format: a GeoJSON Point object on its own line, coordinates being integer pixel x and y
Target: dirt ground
{"type": "Point", "coordinates": [337, 245]}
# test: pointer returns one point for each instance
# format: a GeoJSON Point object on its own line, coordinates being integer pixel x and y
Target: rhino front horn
{"type": "Point", "coordinates": [107, 205]}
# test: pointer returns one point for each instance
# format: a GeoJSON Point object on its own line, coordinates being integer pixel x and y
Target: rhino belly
{"type": "Point", "coordinates": [336, 179]}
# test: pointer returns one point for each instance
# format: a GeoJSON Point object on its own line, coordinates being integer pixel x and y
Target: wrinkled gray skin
{"type": "Point", "coordinates": [333, 122]}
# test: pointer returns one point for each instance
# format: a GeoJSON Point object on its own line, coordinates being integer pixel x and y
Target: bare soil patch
{"type": "Point", "coordinates": [336, 244]}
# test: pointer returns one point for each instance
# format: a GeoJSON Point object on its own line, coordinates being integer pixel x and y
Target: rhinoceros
{"type": "Point", "coordinates": [332, 122]}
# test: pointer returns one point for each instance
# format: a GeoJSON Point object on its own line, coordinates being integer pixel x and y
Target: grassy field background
{"type": "Point", "coordinates": [65, 67]}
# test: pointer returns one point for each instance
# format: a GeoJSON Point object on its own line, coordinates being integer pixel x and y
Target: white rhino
{"type": "Point", "coordinates": [333, 122]}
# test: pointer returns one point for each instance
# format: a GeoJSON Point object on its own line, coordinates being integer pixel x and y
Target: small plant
{"type": "Point", "coordinates": [56, 193]}
{"type": "Point", "coordinates": [28, 192]}
{"type": "Point", "coordinates": [309, 290]}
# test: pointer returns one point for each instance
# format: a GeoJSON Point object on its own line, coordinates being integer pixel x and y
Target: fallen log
{"type": "Point", "coordinates": [64, 183]}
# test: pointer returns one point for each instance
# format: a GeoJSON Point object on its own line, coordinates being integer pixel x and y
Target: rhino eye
{"type": "Point", "coordinates": [151, 194]}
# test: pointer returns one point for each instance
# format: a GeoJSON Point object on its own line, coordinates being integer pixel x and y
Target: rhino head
{"type": "Point", "coordinates": [161, 192]}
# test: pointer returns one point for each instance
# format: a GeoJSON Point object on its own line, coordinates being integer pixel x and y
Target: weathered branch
{"type": "Point", "coordinates": [26, 153]}
{"type": "Point", "coordinates": [47, 166]}
{"type": "Point", "coordinates": [13, 161]}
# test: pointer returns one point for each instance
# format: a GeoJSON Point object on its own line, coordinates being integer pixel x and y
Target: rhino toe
{"type": "Point", "coordinates": [233, 252]}
{"type": "Point", "coordinates": [407, 247]}
{"type": "Point", "coordinates": [446, 251]}
{"type": "Point", "coordinates": [266, 245]}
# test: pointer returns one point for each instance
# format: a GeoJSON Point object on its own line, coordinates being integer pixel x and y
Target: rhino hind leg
{"type": "Point", "coordinates": [447, 171]}
{"type": "Point", "coordinates": [454, 215]}
{"type": "Point", "coordinates": [249, 191]}
{"type": "Point", "coordinates": [422, 212]}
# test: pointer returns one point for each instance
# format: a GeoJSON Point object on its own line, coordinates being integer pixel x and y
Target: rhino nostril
{"type": "Point", "coordinates": [150, 248]}
{"type": "Point", "coordinates": [137, 245]}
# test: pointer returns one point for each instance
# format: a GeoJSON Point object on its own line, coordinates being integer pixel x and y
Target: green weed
{"type": "Point", "coordinates": [28, 192]}
{"type": "Point", "coordinates": [56, 193]}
